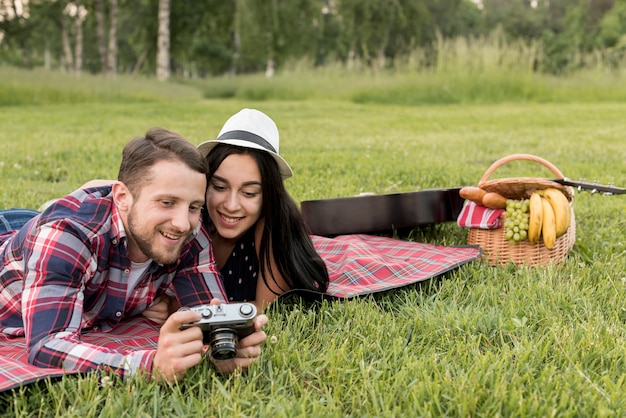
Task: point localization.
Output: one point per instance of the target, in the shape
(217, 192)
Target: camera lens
(223, 343)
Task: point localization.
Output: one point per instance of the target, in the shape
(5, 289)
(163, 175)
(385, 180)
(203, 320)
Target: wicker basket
(497, 251)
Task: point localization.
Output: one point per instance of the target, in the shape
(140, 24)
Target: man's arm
(57, 263)
(178, 350)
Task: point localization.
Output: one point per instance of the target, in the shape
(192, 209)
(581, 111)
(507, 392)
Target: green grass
(418, 88)
(40, 87)
(479, 341)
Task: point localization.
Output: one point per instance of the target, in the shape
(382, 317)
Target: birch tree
(100, 34)
(111, 67)
(163, 41)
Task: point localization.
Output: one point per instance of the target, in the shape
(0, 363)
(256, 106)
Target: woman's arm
(96, 183)
(277, 284)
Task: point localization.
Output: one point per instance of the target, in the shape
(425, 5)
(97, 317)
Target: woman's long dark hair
(295, 257)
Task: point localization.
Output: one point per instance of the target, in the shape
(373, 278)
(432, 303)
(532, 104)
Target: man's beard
(147, 248)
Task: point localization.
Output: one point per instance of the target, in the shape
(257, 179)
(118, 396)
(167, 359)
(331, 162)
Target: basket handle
(526, 157)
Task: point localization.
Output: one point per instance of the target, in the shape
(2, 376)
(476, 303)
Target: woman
(260, 243)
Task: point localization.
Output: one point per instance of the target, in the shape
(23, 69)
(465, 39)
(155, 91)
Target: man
(100, 255)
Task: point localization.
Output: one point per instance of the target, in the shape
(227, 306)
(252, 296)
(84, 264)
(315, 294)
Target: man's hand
(160, 309)
(177, 350)
(248, 349)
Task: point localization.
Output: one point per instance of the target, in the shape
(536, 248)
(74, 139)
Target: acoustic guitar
(365, 214)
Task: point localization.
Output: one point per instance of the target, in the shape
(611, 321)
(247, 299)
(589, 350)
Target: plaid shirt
(66, 272)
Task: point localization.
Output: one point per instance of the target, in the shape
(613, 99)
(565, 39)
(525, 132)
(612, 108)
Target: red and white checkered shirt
(66, 272)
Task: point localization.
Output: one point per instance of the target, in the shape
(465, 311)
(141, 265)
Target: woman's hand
(160, 309)
(248, 349)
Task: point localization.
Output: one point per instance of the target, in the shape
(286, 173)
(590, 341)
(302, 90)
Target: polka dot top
(239, 273)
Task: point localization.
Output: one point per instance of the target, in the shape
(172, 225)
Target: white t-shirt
(136, 271)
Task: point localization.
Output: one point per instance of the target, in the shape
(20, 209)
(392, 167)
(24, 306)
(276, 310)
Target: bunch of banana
(550, 216)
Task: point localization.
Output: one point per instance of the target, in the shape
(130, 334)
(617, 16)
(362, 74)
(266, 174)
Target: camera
(223, 325)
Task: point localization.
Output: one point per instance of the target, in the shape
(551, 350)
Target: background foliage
(216, 37)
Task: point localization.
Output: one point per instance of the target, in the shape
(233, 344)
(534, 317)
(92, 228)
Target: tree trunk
(67, 48)
(236, 54)
(163, 41)
(78, 48)
(352, 56)
(25, 56)
(100, 31)
(78, 44)
(381, 59)
(270, 67)
(111, 66)
(141, 60)
(236, 40)
(46, 58)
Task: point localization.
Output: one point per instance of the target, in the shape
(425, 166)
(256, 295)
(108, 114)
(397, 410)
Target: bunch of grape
(516, 223)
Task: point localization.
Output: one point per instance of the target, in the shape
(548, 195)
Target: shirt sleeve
(58, 260)
(197, 280)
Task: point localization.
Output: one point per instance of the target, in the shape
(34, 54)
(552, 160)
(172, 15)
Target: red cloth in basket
(474, 215)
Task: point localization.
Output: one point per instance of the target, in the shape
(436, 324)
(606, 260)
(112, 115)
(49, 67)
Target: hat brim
(207, 146)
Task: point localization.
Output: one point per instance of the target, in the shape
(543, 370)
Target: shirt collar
(118, 233)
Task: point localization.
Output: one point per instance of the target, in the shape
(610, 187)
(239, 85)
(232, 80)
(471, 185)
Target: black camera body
(223, 325)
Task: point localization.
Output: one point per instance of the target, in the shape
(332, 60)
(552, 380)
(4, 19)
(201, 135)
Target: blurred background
(197, 39)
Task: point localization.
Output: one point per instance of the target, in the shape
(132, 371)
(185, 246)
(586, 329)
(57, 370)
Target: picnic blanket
(364, 264)
(136, 333)
(357, 264)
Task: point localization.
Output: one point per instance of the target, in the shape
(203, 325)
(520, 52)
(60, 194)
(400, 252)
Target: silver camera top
(223, 315)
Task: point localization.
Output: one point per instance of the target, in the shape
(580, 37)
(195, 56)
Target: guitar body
(381, 213)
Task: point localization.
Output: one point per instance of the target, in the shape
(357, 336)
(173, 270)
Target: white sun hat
(250, 128)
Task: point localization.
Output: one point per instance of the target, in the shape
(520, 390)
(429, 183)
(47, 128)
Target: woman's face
(234, 196)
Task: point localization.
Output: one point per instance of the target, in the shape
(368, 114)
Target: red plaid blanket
(357, 265)
(364, 264)
(135, 334)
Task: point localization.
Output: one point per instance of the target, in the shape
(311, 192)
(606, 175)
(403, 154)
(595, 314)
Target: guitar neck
(591, 187)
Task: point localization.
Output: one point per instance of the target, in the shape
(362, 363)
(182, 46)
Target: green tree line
(201, 38)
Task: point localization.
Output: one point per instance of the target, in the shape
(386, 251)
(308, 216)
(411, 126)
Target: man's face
(164, 212)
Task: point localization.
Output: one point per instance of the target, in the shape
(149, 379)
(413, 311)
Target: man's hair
(157, 145)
